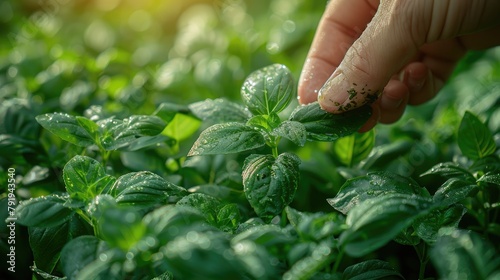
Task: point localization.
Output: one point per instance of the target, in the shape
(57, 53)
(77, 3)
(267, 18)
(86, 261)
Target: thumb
(382, 50)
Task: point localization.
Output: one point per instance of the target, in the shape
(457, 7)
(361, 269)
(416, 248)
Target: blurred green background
(128, 56)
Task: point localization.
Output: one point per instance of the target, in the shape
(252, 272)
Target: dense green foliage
(139, 151)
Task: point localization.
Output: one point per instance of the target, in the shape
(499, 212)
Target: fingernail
(416, 83)
(390, 103)
(339, 95)
(334, 92)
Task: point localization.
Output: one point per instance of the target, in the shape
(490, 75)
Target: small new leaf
(268, 90)
(86, 178)
(293, 131)
(227, 138)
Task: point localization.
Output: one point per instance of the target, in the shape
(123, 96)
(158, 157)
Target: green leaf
(167, 111)
(293, 131)
(307, 267)
(80, 252)
(352, 149)
(474, 138)
(208, 205)
(357, 190)
(323, 126)
(491, 177)
(256, 260)
(86, 178)
(427, 227)
(67, 128)
(161, 221)
(181, 127)
(315, 226)
(45, 211)
(91, 127)
(265, 235)
(227, 138)
(145, 189)
(118, 225)
(118, 134)
(268, 90)
(209, 257)
(452, 191)
(219, 110)
(376, 221)
(47, 243)
(229, 217)
(382, 155)
(450, 170)
(270, 183)
(370, 270)
(460, 254)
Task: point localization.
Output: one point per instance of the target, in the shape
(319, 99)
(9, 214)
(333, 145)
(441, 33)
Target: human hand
(392, 52)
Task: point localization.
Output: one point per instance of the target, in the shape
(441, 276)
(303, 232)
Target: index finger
(341, 24)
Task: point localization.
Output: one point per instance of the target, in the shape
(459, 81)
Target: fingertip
(372, 121)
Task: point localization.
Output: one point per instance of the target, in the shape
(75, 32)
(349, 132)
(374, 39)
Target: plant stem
(275, 151)
(423, 257)
(338, 259)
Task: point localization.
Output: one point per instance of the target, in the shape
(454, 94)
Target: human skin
(392, 52)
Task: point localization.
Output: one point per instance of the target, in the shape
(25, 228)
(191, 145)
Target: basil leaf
(268, 90)
(450, 170)
(80, 252)
(270, 183)
(227, 138)
(145, 189)
(118, 134)
(46, 211)
(47, 242)
(293, 131)
(491, 177)
(376, 221)
(452, 191)
(357, 190)
(352, 149)
(465, 255)
(370, 269)
(428, 226)
(219, 110)
(68, 128)
(323, 126)
(307, 267)
(474, 138)
(86, 178)
(208, 205)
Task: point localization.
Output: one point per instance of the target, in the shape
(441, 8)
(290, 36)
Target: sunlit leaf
(268, 90)
(474, 138)
(352, 149)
